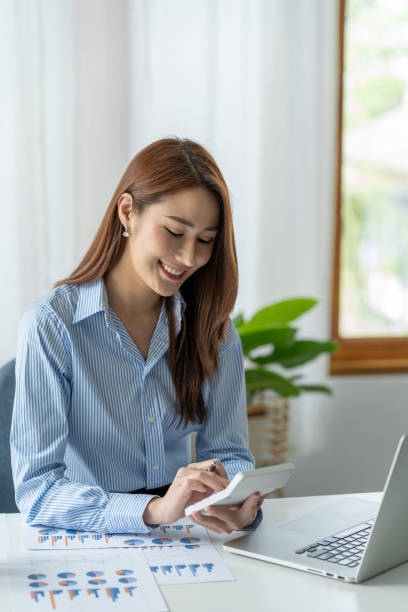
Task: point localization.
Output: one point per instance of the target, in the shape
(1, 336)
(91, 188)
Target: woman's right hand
(191, 484)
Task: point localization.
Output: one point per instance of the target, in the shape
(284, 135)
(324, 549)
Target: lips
(174, 277)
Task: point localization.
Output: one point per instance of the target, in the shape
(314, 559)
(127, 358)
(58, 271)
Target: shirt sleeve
(39, 435)
(225, 432)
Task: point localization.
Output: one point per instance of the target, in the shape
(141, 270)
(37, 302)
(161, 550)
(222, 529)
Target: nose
(186, 255)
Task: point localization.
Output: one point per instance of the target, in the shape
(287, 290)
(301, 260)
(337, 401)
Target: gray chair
(7, 388)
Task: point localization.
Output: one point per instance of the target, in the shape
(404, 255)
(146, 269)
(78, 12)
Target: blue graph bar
(36, 595)
(193, 568)
(57, 538)
(113, 592)
(129, 590)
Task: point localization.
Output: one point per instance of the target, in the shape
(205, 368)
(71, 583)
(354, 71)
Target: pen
(213, 465)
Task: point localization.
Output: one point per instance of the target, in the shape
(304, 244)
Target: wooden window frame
(382, 355)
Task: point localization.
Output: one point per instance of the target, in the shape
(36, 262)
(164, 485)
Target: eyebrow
(214, 228)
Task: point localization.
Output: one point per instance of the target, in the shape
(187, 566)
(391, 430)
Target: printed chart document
(4, 539)
(178, 534)
(177, 565)
(105, 580)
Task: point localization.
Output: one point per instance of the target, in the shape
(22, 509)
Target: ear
(125, 210)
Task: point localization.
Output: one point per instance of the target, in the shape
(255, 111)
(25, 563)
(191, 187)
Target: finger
(189, 491)
(213, 481)
(211, 522)
(205, 466)
(251, 502)
(236, 516)
(185, 472)
(194, 484)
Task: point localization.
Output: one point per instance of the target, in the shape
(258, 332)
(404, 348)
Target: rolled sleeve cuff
(233, 467)
(124, 513)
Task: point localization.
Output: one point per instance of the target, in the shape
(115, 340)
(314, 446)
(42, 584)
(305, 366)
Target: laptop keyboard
(344, 548)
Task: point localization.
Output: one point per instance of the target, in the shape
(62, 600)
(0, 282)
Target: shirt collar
(93, 298)
(180, 304)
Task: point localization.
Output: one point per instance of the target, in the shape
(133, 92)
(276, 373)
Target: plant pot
(268, 421)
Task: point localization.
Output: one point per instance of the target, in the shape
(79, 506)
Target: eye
(173, 233)
(178, 236)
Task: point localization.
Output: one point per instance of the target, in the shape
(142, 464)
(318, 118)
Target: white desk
(267, 587)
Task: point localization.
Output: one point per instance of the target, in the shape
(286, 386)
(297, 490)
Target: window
(370, 290)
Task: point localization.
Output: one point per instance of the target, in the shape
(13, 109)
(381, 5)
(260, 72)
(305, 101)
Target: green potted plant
(271, 347)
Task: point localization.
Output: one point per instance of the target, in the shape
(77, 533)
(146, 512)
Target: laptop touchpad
(332, 517)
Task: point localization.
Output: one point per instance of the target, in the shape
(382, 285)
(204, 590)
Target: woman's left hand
(225, 519)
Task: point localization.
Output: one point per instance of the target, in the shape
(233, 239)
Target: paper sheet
(178, 534)
(4, 539)
(101, 580)
(178, 565)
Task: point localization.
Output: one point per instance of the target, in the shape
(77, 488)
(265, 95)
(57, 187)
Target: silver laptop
(350, 539)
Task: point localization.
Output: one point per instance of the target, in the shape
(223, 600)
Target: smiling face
(171, 240)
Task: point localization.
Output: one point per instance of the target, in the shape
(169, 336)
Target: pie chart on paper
(161, 541)
(134, 542)
(189, 540)
(36, 576)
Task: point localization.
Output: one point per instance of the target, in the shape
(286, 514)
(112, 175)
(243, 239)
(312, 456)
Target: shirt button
(156, 467)
(151, 419)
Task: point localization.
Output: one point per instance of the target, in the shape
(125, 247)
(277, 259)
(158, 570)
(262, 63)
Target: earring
(125, 233)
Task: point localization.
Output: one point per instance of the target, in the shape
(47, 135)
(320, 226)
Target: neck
(127, 295)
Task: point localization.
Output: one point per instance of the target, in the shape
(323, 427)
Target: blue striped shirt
(93, 420)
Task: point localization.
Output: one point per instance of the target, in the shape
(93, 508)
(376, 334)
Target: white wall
(87, 84)
(358, 434)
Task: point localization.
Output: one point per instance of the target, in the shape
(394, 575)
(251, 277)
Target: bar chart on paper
(4, 539)
(187, 565)
(177, 534)
(106, 581)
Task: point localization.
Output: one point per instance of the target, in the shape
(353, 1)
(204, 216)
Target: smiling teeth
(171, 270)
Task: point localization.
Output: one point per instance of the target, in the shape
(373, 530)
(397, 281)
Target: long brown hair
(166, 166)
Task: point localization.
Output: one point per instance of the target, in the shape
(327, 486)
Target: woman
(133, 352)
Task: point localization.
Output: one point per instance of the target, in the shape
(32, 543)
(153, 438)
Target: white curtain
(86, 84)
(64, 139)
